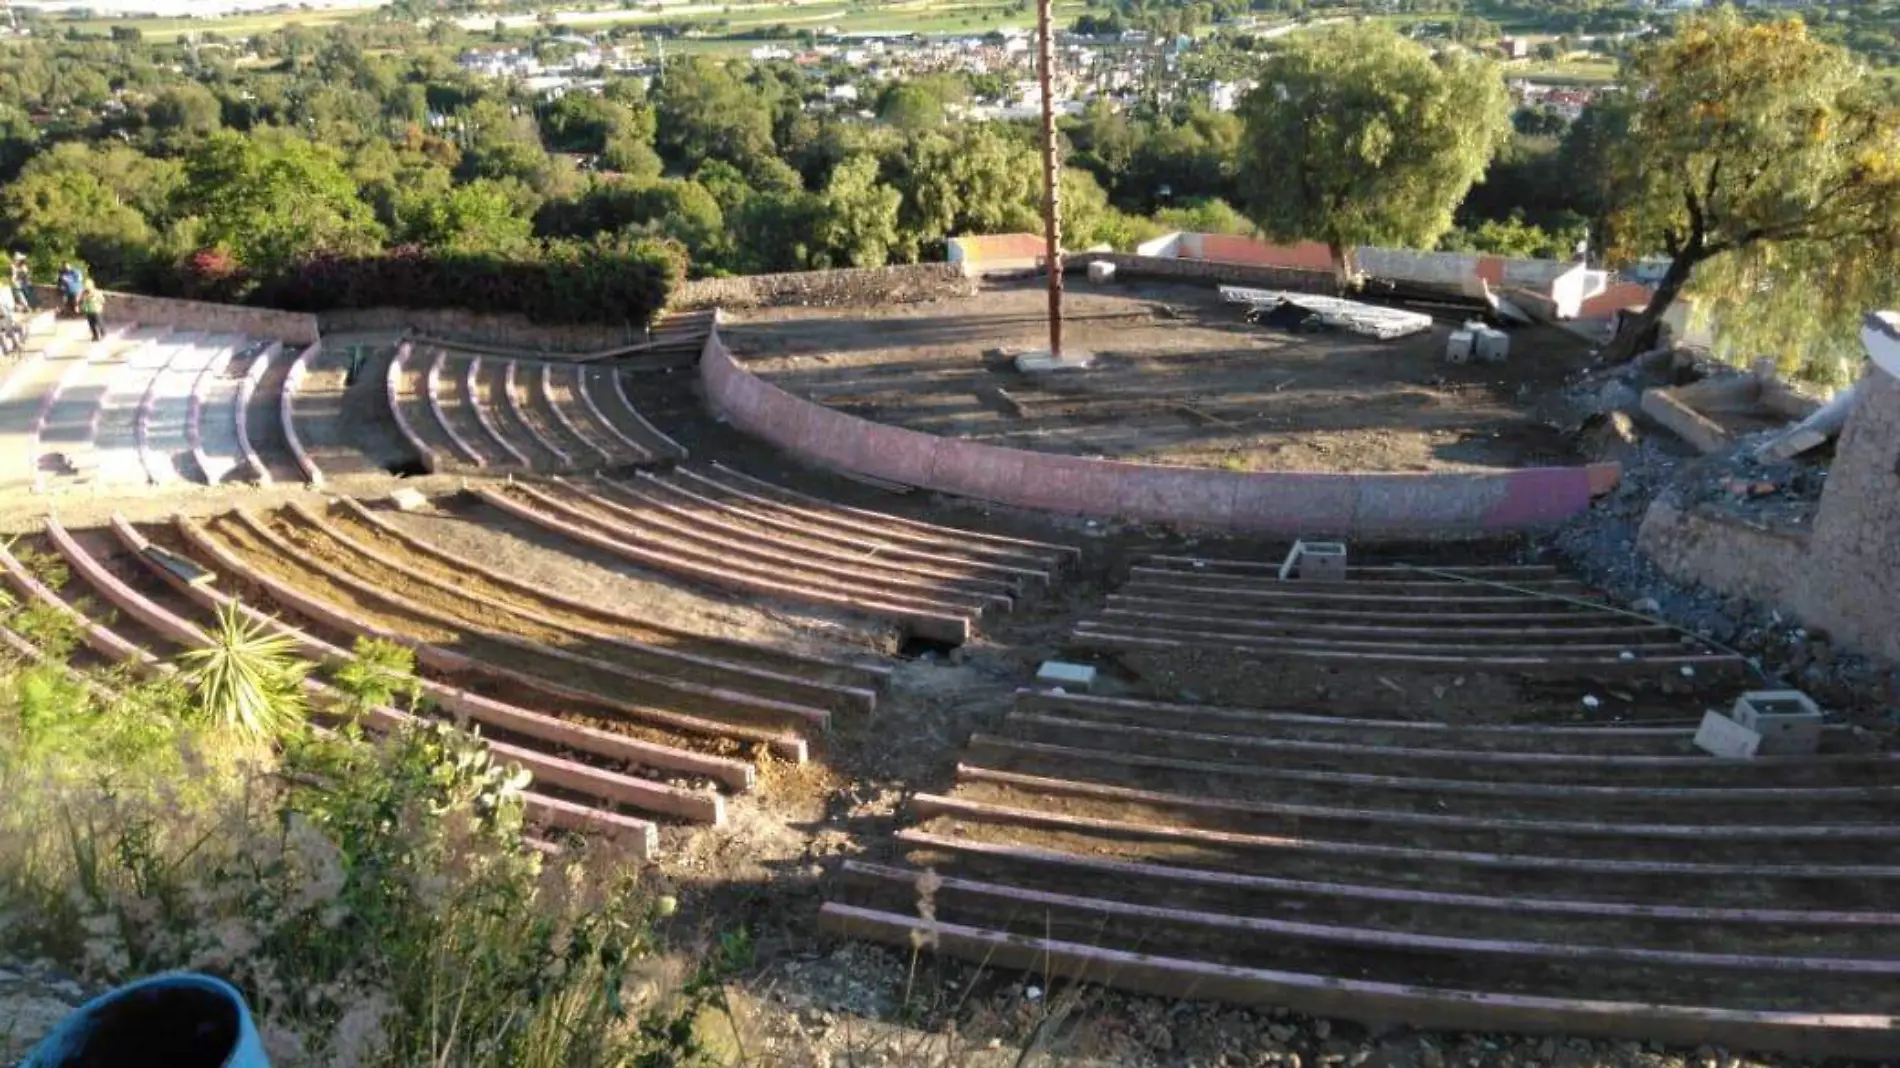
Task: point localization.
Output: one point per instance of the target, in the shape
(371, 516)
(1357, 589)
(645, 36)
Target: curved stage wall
(1341, 503)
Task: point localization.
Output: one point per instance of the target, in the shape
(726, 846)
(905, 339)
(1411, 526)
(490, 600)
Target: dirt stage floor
(1179, 378)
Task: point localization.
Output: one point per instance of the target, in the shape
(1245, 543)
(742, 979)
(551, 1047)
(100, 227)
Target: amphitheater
(788, 652)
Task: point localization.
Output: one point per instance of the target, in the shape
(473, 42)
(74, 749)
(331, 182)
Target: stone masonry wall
(506, 331)
(292, 328)
(1714, 550)
(1856, 557)
(1844, 575)
(867, 286)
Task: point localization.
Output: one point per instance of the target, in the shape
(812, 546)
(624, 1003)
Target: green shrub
(375, 901)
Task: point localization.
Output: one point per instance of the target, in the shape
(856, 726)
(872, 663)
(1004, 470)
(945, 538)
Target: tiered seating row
(145, 406)
(1367, 869)
(735, 532)
(596, 758)
(1522, 619)
(609, 710)
(487, 412)
(115, 575)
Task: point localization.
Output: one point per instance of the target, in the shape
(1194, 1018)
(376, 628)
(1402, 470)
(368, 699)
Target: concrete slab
(1041, 361)
(1072, 677)
(1685, 422)
(1723, 737)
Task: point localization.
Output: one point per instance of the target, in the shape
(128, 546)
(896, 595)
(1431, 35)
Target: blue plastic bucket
(180, 1020)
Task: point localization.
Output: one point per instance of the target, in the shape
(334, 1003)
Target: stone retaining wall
(292, 328)
(1346, 503)
(1844, 574)
(868, 286)
(504, 331)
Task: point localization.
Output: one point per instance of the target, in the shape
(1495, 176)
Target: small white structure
(1788, 722)
(1322, 561)
(1723, 737)
(1476, 341)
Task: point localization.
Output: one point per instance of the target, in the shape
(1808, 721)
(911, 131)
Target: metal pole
(1051, 176)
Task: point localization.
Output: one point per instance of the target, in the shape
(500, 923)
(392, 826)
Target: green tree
(973, 179)
(919, 104)
(1207, 216)
(498, 143)
(772, 231)
(19, 139)
(71, 214)
(482, 216)
(273, 199)
(1357, 136)
(581, 122)
(182, 114)
(705, 113)
(1746, 136)
(857, 223)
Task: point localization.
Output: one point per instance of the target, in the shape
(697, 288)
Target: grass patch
(167, 30)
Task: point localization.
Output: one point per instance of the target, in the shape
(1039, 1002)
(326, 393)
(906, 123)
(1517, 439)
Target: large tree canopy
(270, 200)
(1746, 135)
(1356, 136)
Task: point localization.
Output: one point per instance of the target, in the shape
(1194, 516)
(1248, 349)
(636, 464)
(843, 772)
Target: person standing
(22, 282)
(93, 304)
(71, 283)
(12, 335)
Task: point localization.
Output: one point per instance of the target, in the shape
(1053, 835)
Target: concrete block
(1459, 345)
(1315, 561)
(1073, 678)
(408, 500)
(1788, 721)
(1723, 737)
(1685, 422)
(1491, 346)
(1042, 361)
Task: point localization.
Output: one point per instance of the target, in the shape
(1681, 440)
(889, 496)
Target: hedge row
(608, 280)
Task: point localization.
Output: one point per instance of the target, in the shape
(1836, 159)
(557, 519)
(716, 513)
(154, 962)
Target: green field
(1568, 72)
(235, 26)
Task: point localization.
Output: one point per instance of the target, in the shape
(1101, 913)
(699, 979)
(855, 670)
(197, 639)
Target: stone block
(1042, 361)
(1315, 561)
(408, 500)
(1072, 677)
(1685, 422)
(1788, 721)
(1723, 737)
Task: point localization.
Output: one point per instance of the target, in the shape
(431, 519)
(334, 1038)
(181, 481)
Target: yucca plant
(248, 679)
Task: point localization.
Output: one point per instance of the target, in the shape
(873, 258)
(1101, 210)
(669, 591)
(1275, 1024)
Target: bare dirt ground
(1179, 377)
(1288, 402)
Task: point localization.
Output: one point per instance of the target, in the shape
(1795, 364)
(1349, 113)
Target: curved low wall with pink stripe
(1341, 503)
